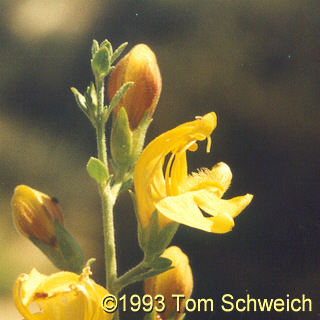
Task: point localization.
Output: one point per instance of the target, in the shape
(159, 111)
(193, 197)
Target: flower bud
(175, 281)
(34, 214)
(139, 66)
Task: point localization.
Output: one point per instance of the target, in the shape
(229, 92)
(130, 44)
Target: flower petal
(184, 210)
(209, 202)
(222, 223)
(29, 287)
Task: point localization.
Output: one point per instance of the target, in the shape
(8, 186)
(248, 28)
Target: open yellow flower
(178, 196)
(62, 295)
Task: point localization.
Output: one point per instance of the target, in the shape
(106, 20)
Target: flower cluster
(166, 195)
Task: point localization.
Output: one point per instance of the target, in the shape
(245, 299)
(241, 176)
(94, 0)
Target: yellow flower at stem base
(176, 281)
(178, 196)
(62, 295)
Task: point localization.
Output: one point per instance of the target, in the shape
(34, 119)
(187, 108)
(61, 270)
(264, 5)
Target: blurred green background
(255, 63)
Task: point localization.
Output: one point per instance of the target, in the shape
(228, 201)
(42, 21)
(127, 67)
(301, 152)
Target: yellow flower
(34, 213)
(140, 66)
(176, 281)
(178, 196)
(62, 295)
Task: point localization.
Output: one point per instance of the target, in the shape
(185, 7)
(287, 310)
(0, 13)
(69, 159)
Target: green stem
(107, 198)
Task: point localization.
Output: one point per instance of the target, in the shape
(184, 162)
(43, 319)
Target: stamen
(208, 144)
(154, 191)
(167, 176)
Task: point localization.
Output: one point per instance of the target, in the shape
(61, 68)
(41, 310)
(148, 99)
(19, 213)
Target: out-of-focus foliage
(255, 63)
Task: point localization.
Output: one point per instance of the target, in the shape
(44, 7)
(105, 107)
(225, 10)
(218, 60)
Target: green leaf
(154, 241)
(80, 99)
(126, 185)
(101, 63)
(166, 235)
(106, 43)
(67, 256)
(134, 201)
(118, 52)
(94, 48)
(119, 94)
(70, 249)
(54, 255)
(91, 95)
(150, 274)
(97, 170)
(139, 135)
(150, 235)
(121, 141)
(160, 263)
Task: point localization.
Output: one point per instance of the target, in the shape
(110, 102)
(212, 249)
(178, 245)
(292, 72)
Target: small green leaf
(67, 255)
(118, 52)
(106, 43)
(150, 234)
(70, 249)
(121, 141)
(134, 201)
(119, 94)
(160, 263)
(126, 185)
(101, 63)
(150, 274)
(166, 235)
(54, 255)
(94, 48)
(91, 100)
(91, 91)
(154, 241)
(80, 99)
(97, 170)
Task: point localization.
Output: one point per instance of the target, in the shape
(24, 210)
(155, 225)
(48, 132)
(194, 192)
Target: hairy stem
(107, 198)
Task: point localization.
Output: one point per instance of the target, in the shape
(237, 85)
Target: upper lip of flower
(177, 195)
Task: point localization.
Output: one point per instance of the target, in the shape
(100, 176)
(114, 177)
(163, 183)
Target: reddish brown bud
(139, 66)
